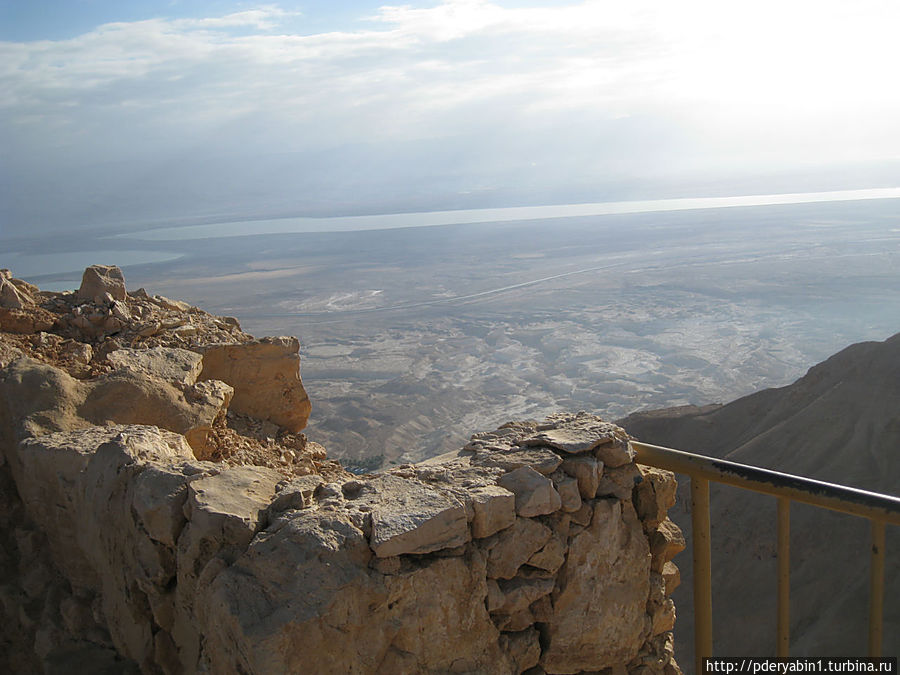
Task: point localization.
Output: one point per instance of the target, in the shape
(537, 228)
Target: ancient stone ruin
(162, 513)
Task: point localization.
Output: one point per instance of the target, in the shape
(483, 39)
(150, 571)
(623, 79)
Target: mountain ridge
(838, 423)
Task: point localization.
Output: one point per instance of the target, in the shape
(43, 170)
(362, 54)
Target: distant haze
(144, 112)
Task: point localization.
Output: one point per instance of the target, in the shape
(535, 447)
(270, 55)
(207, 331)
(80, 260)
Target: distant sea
(494, 215)
(58, 269)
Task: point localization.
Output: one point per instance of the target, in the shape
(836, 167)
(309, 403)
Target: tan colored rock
(224, 512)
(587, 471)
(296, 493)
(516, 622)
(495, 597)
(655, 495)
(12, 297)
(25, 321)
(615, 453)
(519, 593)
(511, 548)
(494, 510)
(583, 515)
(171, 305)
(663, 618)
(265, 375)
(542, 460)
(574, 433)
(158, 500)
(8, 354)
(535, 494)
(175, 366)
(666, 541)
(280, 610)
(672, 577)
(126, 397)
(98, 280)
(40, 399)
(619, 482)
(552, 556)
(226, 509)
(599, 608)
(569, 493)
(79, 352)
(46, 399)
(408, 517)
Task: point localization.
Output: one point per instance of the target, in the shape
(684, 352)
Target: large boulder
(265, 374)
(100, 280)
(46, 399)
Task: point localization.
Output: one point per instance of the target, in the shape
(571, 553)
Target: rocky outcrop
(538, 547)
(265, 375)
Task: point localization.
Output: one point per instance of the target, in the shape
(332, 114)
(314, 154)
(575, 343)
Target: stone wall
(539, 547)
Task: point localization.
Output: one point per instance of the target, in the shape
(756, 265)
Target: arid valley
(414, 338)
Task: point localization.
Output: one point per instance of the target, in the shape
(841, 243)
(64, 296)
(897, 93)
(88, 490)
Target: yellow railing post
(702, 571)
(784, 577)
(876, 588)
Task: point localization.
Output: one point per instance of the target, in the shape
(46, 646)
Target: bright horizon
(146, 111)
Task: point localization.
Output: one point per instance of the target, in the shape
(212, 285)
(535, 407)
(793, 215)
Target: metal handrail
(878, 508)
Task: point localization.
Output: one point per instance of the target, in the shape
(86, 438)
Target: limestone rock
(494, 510)
(567, 487)
(542, 460)
(672, 577)
(655, 495)
(615, 453)
(666, 541)
(574, 434)
(599, 608)
(176, 366)
(171, 305)
(587, 471)
(519, 593)
(25, 321)
(619, 482)
(125, 397)
(12, 297)
(46, 399)
(511, 548)
(184, 565)
(663, 618)
(552, 556)
(408, 517)
(223, 511)
(39, 398)
(290, 602)
(535, 494)
(296, 493)
(158, 501)
(265, 375)
(99, 280)
(8, 353)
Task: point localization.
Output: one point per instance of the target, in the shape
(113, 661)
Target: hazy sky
(142, 110)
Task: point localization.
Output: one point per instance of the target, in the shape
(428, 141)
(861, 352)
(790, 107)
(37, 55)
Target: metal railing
(879, 509)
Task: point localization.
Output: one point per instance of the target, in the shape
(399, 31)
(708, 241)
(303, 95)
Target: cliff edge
(162, 513)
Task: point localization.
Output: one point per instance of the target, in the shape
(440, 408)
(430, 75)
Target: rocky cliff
(162, 513)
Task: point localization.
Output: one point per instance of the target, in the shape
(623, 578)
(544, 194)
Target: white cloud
(740, 83)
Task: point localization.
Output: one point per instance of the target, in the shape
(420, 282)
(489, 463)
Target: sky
(142, 112)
